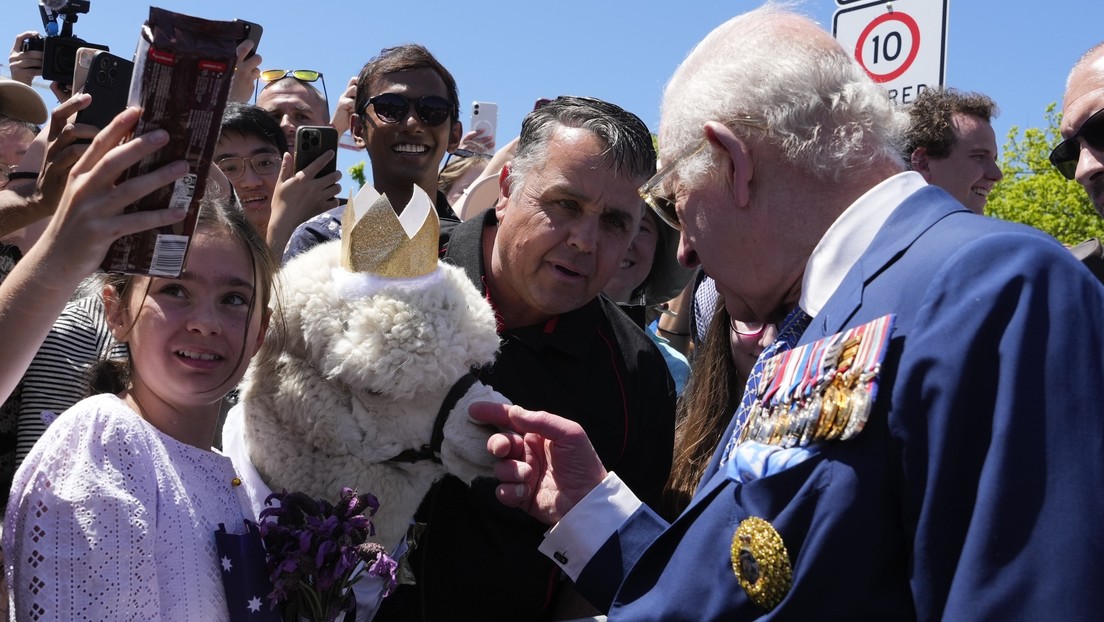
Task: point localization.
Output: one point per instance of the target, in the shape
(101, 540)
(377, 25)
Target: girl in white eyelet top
(112, 515)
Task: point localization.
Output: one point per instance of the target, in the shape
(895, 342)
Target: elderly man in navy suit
(931, 448)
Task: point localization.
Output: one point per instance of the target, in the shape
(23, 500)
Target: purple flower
(384, 566)
(315, 551)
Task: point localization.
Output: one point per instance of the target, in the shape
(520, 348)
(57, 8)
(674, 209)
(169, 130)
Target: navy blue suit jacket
(975, 490)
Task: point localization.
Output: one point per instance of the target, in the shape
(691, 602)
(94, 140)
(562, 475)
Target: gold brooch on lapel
(761, 562)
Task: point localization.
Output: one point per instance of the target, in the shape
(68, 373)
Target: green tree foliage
(356, 171)
(1033, 192)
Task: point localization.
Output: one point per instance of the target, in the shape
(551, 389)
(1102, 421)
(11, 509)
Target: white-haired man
(952, 463)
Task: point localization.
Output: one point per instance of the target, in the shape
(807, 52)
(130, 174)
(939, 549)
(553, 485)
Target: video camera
(59, 47)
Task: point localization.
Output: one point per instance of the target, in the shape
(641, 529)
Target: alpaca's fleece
(354, 371)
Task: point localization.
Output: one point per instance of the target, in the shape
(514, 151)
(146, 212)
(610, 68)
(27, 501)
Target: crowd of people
(780, 366)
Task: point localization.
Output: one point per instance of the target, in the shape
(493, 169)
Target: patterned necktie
(792, 328)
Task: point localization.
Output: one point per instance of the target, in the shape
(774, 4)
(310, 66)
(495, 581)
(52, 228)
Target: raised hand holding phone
(484, 119)
(248, 69)
(306, 187)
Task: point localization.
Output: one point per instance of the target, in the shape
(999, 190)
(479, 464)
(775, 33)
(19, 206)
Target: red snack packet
(182, 73)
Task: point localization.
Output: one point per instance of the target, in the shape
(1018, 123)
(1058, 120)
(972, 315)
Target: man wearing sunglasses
(289, 95)
(406, 118)
(951, 143)
(966, 486)
(1080, 155)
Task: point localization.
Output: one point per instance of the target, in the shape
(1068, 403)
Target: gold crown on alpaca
(376, 240)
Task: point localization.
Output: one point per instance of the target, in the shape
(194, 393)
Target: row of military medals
(822, 391)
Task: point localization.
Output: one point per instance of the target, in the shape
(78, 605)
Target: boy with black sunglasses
(406, 118)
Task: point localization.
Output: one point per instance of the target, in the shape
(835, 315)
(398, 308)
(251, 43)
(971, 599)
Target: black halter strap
(432, 451)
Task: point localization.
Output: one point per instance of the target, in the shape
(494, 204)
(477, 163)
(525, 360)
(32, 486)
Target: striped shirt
(57, 378)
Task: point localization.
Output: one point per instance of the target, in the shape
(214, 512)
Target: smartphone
(108, 83)
(253, 33)
(80, 68)
(484, 116)
(311, 141)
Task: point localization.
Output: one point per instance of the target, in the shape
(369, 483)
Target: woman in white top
(113, 513)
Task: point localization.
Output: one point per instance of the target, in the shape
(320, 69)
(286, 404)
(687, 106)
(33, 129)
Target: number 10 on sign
(900, 44)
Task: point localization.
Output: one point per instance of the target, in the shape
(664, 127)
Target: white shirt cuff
(573, 541)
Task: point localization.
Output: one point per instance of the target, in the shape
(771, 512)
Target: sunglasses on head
(393, 108)
(1064, 157)
(464, 153)
(306, 75)
(268, 76)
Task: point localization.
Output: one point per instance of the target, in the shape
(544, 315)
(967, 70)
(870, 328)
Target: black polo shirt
(478, 559)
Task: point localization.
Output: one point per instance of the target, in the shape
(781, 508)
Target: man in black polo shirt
(567, 212)
(406, 117)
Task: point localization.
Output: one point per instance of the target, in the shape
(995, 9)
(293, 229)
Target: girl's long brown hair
(712, 394)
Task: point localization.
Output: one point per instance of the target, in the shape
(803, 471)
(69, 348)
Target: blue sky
(1015, 51)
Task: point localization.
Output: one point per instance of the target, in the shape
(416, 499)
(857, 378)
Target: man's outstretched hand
(546, 463)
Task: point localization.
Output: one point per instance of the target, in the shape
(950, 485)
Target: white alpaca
(354, 372)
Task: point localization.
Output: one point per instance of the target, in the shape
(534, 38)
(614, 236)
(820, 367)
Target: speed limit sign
(901, 44)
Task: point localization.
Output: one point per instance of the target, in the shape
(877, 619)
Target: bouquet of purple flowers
(317, 551)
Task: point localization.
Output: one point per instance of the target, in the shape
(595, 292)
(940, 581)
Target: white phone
(81, 66)
(484, 115)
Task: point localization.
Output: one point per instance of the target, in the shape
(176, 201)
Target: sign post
(901, 44)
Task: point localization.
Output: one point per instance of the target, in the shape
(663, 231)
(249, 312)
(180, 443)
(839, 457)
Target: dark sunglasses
(1064, 157)
(393, 108)
(268, 76)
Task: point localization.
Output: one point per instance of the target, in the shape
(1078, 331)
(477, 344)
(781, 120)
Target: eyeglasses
(1065, 156)
(393, 108)
(746, 329)
(303, 75)
(664, 206)
(263, 164)
(5, 171)
(464, 153)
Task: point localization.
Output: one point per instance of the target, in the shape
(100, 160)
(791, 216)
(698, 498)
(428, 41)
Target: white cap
(19, 101)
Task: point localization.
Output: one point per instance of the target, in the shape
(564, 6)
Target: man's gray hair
(820, 109)
(629, 149)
